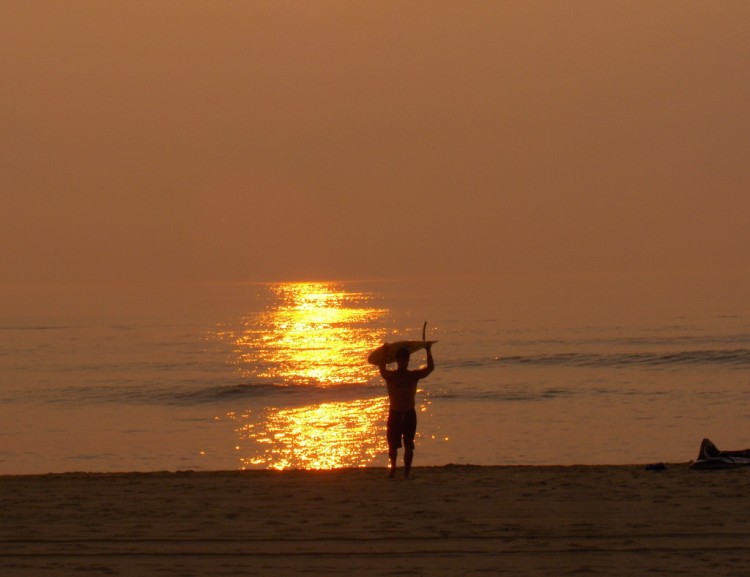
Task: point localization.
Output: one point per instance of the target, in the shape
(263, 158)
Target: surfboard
(389, 350)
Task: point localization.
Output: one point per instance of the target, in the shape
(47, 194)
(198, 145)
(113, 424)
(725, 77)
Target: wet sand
(453, 520)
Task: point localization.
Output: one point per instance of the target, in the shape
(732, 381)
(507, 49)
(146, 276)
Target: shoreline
(449, 520)
(290, 471)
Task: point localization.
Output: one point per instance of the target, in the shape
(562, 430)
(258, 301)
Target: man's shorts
(401, 425)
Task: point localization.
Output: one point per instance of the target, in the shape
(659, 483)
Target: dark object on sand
(656, 467)
(710, 457)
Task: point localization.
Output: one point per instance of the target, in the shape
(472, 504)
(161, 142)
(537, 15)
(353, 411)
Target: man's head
(402, 357)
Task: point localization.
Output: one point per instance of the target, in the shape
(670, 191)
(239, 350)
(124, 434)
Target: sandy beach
(453, 520)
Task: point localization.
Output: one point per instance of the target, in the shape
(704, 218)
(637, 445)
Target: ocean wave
(39, 327)
(220, 393)
(649, 340)
(503, 395)
(195, 394)
(288, 393)
(727, 358)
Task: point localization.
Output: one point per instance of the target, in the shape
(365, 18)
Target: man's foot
(392, 474)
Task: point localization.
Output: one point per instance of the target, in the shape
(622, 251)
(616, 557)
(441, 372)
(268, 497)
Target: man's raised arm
(382, 364)
(430, 363)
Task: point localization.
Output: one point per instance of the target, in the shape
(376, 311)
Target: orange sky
(338, 139)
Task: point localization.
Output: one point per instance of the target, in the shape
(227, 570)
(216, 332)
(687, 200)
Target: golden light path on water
(313, 334)
(322, 436)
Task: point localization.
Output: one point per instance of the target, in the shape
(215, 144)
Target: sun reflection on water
(322, 436)
(314, 334)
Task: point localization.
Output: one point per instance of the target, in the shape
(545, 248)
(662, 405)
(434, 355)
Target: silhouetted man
(402, 416)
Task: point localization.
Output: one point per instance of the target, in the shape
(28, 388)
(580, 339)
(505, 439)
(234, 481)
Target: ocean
(274, 375)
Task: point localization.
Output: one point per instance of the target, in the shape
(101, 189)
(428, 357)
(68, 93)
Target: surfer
(402, 415)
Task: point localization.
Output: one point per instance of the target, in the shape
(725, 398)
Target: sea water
(253, 375)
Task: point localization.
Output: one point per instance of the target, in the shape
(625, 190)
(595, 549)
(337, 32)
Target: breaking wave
(727, 358)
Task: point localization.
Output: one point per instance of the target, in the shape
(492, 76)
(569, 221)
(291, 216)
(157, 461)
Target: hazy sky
(270, 140)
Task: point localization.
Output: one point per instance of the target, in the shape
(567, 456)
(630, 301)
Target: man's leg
(408, 457)
(393, 434)
(393, 455)
(410, 431)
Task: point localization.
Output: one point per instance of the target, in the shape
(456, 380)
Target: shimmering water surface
(275, 376)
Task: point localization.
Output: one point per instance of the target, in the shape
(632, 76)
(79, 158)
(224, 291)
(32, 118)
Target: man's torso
(402, 388)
